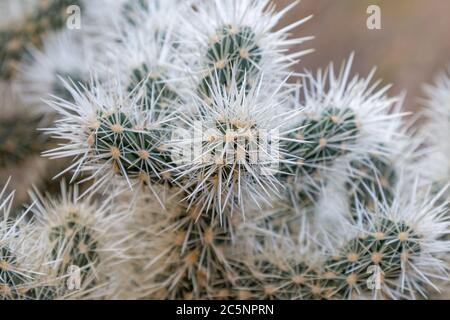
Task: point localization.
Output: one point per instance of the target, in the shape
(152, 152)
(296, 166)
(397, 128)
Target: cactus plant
(213, 171)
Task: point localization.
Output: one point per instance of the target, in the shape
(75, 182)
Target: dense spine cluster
(232, 56)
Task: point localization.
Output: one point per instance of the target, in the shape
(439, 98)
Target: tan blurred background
(412, 46)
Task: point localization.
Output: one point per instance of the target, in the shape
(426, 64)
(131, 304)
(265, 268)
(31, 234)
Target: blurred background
(410, 49)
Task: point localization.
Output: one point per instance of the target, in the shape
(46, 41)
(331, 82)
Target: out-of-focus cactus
(50, 15)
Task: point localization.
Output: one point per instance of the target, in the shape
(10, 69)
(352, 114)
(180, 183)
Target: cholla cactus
(182, 251)
(146, 52)
(210, 170)
(343, 118)
(232, 147)
(113, 135)
(18, 268)
(436, 129)
(64, 55)
(397, 238)
(77, 241)
(236, 43)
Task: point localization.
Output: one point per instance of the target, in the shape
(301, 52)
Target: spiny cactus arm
(374, 177)
(434, 165)
(78, 245)
(66, 55)
(395, 238)
(390, 253)
(344, 120)
(242, 36)
(375, 174)
(326, 137)
(273, 266)
(110, 138)
(147, 54)
(182, 251)
(18, 267)
(394, 250)
(232, 147)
